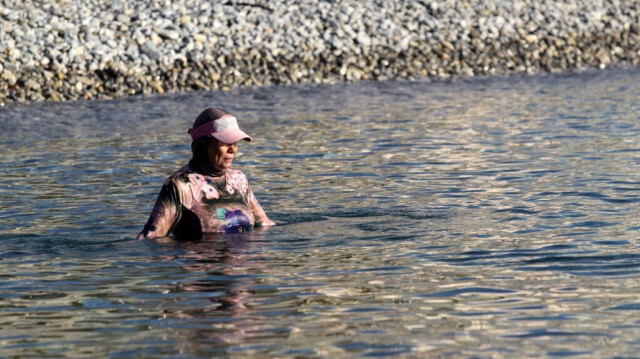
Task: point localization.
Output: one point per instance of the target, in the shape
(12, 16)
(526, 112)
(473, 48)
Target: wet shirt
(190, 203)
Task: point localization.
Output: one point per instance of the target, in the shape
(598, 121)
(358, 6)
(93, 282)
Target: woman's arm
(165, 213)
(259, 215)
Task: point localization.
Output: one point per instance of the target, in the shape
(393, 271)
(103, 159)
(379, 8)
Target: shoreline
(107, 49)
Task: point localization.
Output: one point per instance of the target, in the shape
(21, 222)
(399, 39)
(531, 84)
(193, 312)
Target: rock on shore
(73, 49)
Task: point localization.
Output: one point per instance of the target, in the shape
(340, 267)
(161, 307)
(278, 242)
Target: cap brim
(231, 136)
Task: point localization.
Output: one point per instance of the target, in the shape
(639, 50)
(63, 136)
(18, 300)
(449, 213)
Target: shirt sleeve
(165, 213)
(259, 215)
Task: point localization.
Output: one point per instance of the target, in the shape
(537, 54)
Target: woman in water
(207, 195)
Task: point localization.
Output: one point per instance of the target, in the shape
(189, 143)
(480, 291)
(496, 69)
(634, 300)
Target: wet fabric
(191, 204)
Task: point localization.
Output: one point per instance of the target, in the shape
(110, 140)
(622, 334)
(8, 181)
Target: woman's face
(222, 154)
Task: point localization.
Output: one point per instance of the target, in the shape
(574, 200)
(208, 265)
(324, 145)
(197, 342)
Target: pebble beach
(102, 49)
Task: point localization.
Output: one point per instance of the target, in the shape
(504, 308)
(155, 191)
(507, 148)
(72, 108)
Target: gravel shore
(83, 49)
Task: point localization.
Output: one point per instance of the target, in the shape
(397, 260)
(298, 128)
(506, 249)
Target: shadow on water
(284, 219)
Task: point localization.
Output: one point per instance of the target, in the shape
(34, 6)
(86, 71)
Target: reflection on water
(489, 218)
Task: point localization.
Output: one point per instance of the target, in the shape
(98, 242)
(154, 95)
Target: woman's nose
(233, 148)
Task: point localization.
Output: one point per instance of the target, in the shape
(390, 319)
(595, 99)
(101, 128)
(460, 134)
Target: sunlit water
(483, 218)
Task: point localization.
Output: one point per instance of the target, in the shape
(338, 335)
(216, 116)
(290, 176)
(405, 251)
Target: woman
(207, 195)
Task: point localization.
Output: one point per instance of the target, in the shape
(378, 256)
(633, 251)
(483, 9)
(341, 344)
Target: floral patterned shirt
(190, 204)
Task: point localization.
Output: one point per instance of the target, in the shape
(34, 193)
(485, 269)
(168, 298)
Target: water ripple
(465, 218)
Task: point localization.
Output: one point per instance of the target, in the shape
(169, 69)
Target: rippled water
(483, 218)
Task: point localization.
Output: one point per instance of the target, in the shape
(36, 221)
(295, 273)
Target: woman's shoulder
(186, 175)
(181, 175)
(236, 179)
(182, 172)
(234, 173)
(185, 180)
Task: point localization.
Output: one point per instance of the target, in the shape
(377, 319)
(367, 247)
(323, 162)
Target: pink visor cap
(224, 129)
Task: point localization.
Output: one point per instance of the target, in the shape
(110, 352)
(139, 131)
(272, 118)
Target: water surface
(481, 218)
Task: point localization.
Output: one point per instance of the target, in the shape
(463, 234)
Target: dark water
(485, 218)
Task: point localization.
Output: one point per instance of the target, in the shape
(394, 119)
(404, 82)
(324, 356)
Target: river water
(487, 218)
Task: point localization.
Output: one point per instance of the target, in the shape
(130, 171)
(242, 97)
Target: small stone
(32, 84)
(169, 34)
(9, 77)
